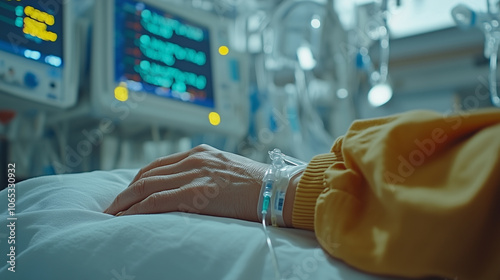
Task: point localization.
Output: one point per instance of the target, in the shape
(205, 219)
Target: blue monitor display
(32, 29)
(162, 54)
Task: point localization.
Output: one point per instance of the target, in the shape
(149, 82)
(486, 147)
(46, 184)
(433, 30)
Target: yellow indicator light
(121, 93)
(214, 118)
(223, 50)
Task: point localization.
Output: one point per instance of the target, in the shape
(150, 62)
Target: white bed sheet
(61, 233)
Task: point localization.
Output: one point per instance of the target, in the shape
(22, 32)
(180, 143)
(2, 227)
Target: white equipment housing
(39, 52)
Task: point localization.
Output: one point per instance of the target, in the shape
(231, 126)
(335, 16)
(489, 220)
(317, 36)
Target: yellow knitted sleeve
(411, 195)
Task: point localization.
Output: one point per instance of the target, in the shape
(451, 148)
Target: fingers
(160, 202)
(165, 173)
(171, 159)
(160, 162)
(146, 187)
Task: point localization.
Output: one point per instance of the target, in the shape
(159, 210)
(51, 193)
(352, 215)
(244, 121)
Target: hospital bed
(58, 224)
(61, 233)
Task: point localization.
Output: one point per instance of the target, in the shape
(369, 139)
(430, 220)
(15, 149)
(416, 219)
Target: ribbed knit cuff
(310, 186)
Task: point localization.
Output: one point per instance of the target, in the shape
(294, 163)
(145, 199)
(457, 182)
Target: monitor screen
(163, 54)
(32, 29)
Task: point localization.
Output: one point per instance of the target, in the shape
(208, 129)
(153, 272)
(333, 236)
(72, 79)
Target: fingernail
(119, 213)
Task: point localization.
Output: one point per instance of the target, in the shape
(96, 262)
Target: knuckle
(140, 174)
(202, 148)
(152, 202)
(205, 171)
(139, 188)
(195, 160)
(141, 171)
(145, 168)
(157, 162)
(147, 174)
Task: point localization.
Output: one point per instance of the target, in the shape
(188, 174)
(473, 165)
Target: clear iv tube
(384, 46)
(493, 40)
(269, 180)
(495, 99)
(384, 58)
(274, 259)
(293, 161)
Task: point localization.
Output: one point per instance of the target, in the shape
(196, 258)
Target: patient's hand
(203, 180)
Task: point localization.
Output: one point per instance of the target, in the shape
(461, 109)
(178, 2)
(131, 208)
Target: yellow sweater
(411, 195)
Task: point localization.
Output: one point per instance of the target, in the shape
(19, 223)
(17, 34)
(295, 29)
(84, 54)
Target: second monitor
(155, 63)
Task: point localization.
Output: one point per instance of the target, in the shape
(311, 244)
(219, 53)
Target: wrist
(282, 174)
(290, 199)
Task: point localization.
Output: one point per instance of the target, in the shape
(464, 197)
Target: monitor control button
(30, 80)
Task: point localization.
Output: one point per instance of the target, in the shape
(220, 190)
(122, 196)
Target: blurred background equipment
(155, 63)
(489, 23)
(41, 51)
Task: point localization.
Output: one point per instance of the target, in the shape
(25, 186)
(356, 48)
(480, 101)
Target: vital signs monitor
(38, 53)
(157, 63)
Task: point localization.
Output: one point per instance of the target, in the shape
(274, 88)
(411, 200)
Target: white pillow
(61, 233)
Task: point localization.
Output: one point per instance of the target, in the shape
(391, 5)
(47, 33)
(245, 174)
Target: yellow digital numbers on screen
(39, 15)
(36, 22)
